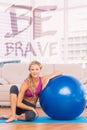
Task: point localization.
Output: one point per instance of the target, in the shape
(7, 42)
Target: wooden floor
(9, 126)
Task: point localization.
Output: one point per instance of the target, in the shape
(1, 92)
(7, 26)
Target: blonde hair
(30, 81)
(35, 63)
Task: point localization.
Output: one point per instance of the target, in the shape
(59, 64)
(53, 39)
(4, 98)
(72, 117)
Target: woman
(23, 102)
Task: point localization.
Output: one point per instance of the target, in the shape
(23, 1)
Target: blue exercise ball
(63, 98)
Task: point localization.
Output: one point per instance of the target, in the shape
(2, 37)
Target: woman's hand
(37, 114)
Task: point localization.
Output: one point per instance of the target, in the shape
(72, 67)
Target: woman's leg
(28, 116)
(21, 114)
(4, 116)
(13, 102)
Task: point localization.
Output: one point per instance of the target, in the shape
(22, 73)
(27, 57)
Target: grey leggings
(29, 114)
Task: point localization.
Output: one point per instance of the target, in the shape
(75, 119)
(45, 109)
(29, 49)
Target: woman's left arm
(57, 73)
(46, 78)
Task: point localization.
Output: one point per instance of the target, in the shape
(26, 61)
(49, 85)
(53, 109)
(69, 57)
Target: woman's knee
(30, 115)
(14, 90)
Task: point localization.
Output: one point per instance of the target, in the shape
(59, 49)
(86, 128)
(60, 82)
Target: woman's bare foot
(10, 119)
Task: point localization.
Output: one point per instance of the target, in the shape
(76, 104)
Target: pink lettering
(42, 49)
(35, 19)
(29, 48)
(53, 49)
(14, 19)
(18, 50)
(9, 48)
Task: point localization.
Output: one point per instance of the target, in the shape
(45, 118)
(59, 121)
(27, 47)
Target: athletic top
(28, 93)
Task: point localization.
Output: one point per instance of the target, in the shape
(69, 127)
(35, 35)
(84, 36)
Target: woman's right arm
(21, 96)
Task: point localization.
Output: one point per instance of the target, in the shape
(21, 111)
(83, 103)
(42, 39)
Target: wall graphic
(29, 31)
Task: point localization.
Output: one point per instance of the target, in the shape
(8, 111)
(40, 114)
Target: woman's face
(35, 70)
